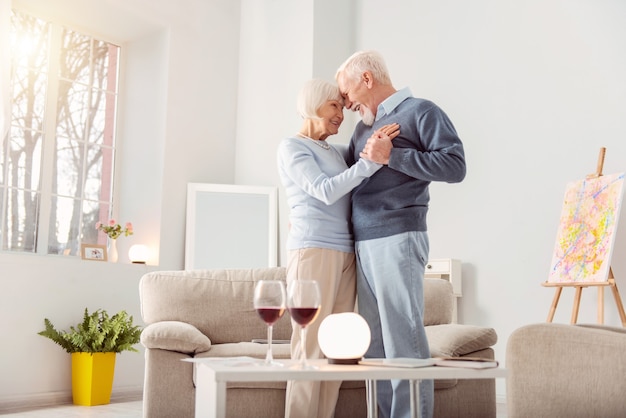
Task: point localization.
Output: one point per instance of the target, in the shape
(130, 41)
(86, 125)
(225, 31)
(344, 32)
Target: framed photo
(94, 252)
(226, 221)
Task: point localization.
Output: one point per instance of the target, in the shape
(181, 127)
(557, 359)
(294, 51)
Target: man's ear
(367, 78)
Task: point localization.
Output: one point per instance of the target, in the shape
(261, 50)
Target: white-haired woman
(320, 244)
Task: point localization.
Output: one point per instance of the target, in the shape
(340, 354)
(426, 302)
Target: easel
(580, 285)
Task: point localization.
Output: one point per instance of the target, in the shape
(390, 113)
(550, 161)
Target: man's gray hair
(363, 61)
(314, 94)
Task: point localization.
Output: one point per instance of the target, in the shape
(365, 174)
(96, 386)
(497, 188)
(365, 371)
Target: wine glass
(269, 302)
(303, 303)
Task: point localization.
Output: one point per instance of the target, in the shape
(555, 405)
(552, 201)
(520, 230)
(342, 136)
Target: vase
(112, 256)
(92, 378)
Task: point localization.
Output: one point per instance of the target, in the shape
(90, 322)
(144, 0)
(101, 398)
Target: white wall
(283, 44)
(34, 369)
(534, 88)
(177, 126)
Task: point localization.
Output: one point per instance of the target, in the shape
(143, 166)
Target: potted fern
(93, 344)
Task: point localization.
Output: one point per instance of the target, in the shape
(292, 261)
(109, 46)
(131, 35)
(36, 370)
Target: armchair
(558, 370)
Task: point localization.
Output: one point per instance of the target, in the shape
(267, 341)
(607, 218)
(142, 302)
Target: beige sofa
(560, 370)
(209, 313)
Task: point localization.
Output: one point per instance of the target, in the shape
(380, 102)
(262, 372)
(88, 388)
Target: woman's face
(331, 113)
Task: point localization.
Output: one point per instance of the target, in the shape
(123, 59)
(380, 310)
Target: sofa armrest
(175, 336)
(453, 340)
(560, 370)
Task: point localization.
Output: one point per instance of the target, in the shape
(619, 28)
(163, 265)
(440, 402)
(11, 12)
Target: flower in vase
(114, 230)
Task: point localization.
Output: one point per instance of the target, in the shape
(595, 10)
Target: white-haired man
(389, 214)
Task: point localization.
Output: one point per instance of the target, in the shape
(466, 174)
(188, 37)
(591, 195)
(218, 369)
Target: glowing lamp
(344, 338)
(138, 254)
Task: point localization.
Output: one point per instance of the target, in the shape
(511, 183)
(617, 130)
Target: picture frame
(226, 221)
(93, 252)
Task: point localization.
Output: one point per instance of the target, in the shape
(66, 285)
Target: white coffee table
(212, 375)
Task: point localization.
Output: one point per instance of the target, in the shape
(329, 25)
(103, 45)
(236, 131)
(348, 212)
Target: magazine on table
(398, 362)
(468, 362)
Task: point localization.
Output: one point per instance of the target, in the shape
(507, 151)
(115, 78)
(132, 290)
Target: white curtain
(5, 68)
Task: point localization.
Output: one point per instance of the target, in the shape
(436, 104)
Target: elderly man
(389, 214)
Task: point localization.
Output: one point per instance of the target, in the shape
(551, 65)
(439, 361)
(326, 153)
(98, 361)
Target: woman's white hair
(314, 94)
(363, 61)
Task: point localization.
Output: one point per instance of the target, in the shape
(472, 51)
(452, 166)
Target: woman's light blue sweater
(318, 184)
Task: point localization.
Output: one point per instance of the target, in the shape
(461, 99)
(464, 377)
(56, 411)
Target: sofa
(209, 313)
(561, 370)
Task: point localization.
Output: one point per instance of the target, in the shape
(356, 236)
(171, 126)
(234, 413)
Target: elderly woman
(320, 245)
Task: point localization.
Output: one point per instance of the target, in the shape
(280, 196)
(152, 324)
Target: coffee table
(213, 374)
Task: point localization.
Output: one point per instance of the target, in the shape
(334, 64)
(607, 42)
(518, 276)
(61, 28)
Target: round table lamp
(138, 254)
(344, 338)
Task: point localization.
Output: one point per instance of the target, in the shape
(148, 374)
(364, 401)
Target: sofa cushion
(438, 302)
(217, 302)
(175, 336)
(458, 339)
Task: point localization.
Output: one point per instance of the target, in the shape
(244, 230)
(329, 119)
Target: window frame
(49, 143)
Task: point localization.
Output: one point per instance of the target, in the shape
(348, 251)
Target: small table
(213, 374)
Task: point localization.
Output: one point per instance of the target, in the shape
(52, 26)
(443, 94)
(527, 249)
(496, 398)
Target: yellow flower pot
(92, 378)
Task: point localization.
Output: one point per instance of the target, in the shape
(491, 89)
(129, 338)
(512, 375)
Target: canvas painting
(587, 228)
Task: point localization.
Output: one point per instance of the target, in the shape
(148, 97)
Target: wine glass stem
(269, 358)
(303, 345)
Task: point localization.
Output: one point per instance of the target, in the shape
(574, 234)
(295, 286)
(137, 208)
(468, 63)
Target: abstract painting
(587, 228)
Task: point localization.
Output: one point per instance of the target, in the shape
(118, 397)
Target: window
(56, 161)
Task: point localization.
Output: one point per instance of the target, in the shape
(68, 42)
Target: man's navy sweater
(395, 199)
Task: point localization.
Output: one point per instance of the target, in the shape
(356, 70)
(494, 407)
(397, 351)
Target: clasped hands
(378, 146)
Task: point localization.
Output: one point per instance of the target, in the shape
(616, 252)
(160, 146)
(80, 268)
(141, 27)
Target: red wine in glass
(304, 316)
(269, 315)
(303, 301)
(270, 304)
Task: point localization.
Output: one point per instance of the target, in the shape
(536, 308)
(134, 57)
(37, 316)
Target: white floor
(112, 410)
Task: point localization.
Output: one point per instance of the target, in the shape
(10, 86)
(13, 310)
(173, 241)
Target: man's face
(356, 94)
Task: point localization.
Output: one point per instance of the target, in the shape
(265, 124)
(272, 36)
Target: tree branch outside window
(57, 160)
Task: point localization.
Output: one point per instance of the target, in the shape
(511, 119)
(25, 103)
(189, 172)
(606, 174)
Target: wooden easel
(580, 285)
